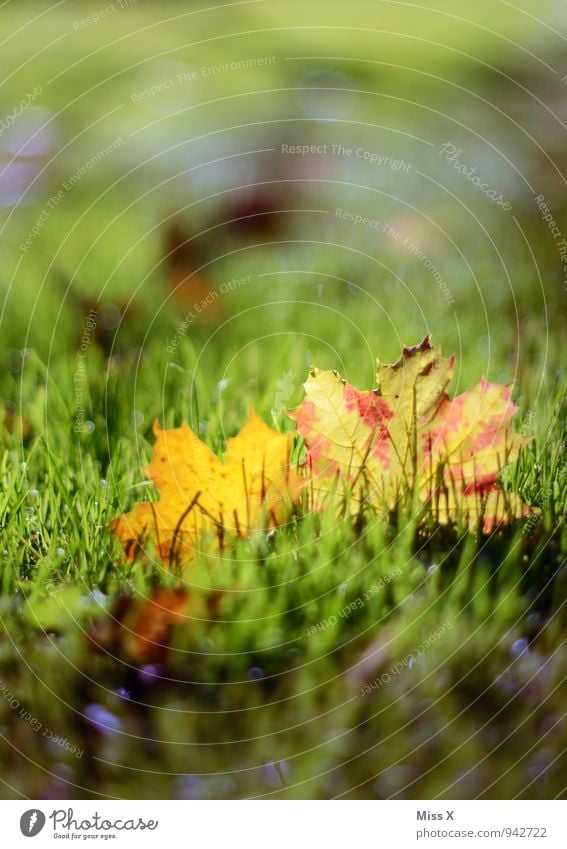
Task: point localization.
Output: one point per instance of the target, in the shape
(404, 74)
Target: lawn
(171, 252)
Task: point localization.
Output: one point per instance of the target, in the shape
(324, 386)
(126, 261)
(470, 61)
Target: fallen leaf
(205, 501)
(15, 425)
(140, 627)
(408, 435)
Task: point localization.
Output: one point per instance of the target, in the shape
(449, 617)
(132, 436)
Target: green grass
(260, 692)
(467, 704)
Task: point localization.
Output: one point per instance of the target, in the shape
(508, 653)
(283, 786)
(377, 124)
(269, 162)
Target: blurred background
(197, 202)
(145, 160)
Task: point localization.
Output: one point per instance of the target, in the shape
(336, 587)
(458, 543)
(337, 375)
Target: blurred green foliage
(261, 691)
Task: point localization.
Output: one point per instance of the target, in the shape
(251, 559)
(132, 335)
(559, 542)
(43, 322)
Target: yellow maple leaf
(203, 500)
(408, 434)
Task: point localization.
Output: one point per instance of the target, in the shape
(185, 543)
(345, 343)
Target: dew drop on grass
(103, 483)
(138, 418)
(60, 552)
(88, 427)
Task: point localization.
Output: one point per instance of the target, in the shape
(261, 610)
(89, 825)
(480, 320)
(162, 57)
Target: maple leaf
(408, 434)
(203, 499)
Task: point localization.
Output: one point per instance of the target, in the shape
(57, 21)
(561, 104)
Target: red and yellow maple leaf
(409, 434)
(204, 500)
